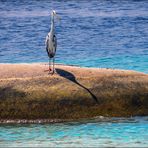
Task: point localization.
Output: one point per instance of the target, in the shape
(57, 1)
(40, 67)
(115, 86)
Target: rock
(28, 92)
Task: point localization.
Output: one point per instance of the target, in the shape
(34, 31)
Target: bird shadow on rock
(71, 77)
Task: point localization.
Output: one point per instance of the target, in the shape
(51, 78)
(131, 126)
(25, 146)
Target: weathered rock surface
(27, 91)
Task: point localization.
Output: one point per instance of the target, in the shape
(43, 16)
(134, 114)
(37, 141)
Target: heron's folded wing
(55, 42)
(46, 40)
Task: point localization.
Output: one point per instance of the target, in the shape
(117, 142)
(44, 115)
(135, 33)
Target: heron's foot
(53, 72)
(49, 70)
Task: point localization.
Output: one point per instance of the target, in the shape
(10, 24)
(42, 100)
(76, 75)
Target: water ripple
(100, 131)
(92, 34)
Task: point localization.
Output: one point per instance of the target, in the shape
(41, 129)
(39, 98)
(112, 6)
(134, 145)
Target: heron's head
(54, 14)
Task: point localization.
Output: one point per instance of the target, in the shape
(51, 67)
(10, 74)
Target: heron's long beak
(58, 17)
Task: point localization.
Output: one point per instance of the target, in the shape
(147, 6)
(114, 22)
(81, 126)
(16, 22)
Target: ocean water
(101, 132)
(97, 33)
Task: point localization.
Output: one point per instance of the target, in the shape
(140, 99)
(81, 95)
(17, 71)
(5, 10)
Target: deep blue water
(97, 33)
(115, 132)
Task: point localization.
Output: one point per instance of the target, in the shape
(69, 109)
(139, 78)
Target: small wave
(24, 13)
(100, 13)
(76, 13)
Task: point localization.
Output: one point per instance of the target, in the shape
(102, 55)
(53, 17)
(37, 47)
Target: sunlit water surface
(128, 132)
(97, 33)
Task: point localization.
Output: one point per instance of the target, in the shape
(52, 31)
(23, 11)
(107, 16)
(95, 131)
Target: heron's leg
(53, 66)
(54, 71)
(49, 64)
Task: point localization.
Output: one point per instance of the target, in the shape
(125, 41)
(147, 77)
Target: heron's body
(51, 42)
(51, 45)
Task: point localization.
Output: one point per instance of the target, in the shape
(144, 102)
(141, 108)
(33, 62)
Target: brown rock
(28, 92)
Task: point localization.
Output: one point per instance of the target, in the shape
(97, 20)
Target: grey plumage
(51, 49)
(51, 42)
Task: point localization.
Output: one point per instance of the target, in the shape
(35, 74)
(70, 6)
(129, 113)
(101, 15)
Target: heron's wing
(46, 40)
(55, 42)
(47, 44)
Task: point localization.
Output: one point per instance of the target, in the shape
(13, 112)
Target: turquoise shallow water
(95, 33)
(101, 132)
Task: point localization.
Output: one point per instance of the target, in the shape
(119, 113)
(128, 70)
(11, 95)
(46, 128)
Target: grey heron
(51, 42)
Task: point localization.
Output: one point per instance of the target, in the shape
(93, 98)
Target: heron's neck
(52, 25)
